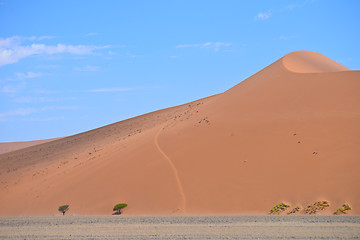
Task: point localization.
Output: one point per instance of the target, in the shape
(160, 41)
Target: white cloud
(87, 68)
(263, 15)
(209, 45)
(12, 49)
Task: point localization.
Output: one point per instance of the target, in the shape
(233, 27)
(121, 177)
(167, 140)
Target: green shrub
(342, 210)
(346, 206)
(279, 208)
(118, 207)
(316, 206)
(63, 209)
(296, 209)
(339, 211)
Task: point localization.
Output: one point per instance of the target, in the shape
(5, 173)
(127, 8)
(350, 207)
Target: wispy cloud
(12, 49)
(209, 45)
(47, 66)
(284, 37)
(87, 68)
(290, 6)
(17, 112)
(29, 99)
(12, 88)
(293, 6)
(33, 119)
(28, 111)
(45, 91)
(105, 90)
(23, 76)
(91, 34)
(111, 89)
(263, 15)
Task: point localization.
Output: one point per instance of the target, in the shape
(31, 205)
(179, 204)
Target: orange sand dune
(12, 146)
(288, 133)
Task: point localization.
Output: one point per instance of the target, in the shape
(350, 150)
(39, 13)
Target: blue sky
(71, 66)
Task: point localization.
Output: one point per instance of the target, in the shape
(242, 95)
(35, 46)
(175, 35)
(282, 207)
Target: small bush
(316, 206)
(118, 207)
(346, 206)
(296, 209)
(342, 210)
(279, 208)
(63, 209)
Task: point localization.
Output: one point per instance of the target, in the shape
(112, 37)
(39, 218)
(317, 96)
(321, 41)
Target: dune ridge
(288, 133)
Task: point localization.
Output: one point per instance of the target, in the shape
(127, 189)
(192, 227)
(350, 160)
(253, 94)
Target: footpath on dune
(175, 171)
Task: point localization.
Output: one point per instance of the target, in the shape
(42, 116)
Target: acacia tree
(118, 208)
(63, 209)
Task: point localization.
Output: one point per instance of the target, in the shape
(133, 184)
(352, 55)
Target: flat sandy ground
(180, 227)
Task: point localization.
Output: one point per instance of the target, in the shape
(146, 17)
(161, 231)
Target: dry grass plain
(181, 227)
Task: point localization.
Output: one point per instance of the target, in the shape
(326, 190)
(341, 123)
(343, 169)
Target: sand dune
(12, 146)
(311, 62)
(288, 133)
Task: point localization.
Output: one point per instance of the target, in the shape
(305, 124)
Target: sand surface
(180, 227)
(288, 133)
(13, 146)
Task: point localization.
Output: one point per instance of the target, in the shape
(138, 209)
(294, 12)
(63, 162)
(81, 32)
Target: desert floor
(181, 227)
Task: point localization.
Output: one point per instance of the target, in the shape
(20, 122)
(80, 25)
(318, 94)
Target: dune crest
(311, 62)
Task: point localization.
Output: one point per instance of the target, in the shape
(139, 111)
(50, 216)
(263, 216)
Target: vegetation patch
(294, 210)
(342, 210)
(279, 208)
(118, 207)
(63, 209)
(316, 206)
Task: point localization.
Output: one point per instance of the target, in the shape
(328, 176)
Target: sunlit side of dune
(288, 133)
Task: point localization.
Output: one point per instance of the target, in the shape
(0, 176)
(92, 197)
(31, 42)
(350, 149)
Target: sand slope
(289, 133)
(12, 146)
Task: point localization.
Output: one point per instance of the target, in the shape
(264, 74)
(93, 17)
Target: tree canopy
(118, 207)
(63, 209)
